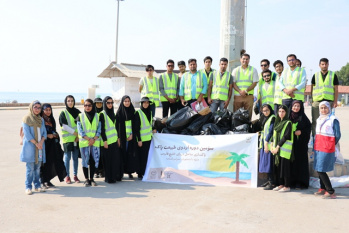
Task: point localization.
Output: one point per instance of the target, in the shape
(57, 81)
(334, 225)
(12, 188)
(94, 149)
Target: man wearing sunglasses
(169, 85)
(292, 82)
(149, 87)
(266, 90)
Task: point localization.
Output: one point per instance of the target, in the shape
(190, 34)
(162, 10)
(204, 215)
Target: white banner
(229, 160)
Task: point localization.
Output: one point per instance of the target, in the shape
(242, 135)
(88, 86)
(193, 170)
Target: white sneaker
(28, 192)
(41, 190)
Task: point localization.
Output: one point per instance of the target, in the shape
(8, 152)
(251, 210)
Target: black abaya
(112, 163)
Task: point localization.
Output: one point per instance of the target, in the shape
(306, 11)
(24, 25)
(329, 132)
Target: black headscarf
(264, 118)
(110, 112)
(91, 114)
(146, 111)
(97, 100)
(297, 116)
(125, 113)
(49, 120)
(73, 111)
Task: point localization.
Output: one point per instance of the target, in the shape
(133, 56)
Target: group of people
(113, 144)
(119, 141)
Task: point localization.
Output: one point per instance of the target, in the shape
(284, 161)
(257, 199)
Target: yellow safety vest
(286, 148)
(323, 90)
(128, 127)
(145, 130)
(265, 129)
(187, 85)
(170, 86)
(278, 92)
(203, 71)
(90, 130)
(267, 95)
(151, 90)
(220, 86)
(66, 136)
(244, 79)
(110, 130)
(290, 81)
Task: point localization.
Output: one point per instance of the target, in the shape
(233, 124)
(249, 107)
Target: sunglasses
(267, 75)
(88, 105)
(170, 65)
(110, 102)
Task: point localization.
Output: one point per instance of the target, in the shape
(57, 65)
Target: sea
(43, 97)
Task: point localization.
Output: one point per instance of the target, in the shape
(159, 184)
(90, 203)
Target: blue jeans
(215, 104)
(67, 157)
(32, 175)
(152, 108)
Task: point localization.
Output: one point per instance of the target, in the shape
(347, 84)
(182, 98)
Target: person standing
(98, 104)
(207, 71)
(278, 94)
(301, 136)
(110, 149)
(54, 165)
(327, 136)
(292, 82)
(193, 85)
(33, 150)
(265, 64)
(149, 87)
(220, 87)
(89, 129)
(182, 70)
(298, 63)
(245, 80)
(67, 121)
(168, 84)
(324, 88)
(266, 90)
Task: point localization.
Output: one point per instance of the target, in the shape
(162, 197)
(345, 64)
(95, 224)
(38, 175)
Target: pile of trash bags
(186, 121)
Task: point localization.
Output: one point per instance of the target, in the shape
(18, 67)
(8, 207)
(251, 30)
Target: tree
(237, 159)
(343, 75)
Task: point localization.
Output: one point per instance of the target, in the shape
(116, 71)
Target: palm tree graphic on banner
(237, 159)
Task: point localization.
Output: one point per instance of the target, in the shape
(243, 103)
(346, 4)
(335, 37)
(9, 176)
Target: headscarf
(110, 112)
(73, 111)
(264, 119)
(297, 116)
(49, 120)
(146, 111)
(323, 116)
(98, 100)
(125, 113)
(34, 121)
(91, 114)
(279, 124)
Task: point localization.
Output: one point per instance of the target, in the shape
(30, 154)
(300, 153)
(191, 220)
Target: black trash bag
(166, 130)
(185, 132)
(255, 126)
(210, 129)
(240, 117)
(242, 128)
(195, 126)
(223, 120)
(157, 124)
(181, 119)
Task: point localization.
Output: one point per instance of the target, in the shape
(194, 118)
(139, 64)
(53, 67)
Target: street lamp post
(117, 33)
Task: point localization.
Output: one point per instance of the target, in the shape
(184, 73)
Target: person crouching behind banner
(327, 136)
(282, 148)
(33, 150)
(89, 129)
(143, 132)
(110, 152)
(266, 159)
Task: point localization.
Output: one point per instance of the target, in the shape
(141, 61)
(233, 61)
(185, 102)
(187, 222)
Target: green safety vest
(265, 129)
(286, 148)
(110, 130)
(66, 136)
(151, 90)
(90, 129)
(278, 94)
(170, 86)
(203, 71)
(290, 81)
(145, 131)
(220, 86)
(244, 80)
(323, 90)
(267, 95)
(128, 127)
(187, 85)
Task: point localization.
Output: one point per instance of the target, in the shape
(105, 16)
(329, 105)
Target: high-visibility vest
(290, 81)
(286, 148)
(187, 85)
(220, 86)
(128, 128)
(244, 80)
(151, 90)
(278, 94)
(90, 130)
(263, 134)
(110, 130)
(323, 90)
(170, 86)
(203, 72)
(267, 95)
(66, 136)
(325, 139)
(145, 130)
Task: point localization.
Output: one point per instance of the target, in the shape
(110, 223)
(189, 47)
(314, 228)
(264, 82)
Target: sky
(62, 46)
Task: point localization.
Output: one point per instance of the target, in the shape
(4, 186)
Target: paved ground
(136, 206)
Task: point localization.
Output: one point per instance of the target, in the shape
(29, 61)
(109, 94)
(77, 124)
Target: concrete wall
(125, 86)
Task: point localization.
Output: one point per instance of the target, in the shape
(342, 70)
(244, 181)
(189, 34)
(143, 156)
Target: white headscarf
(327, 104)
